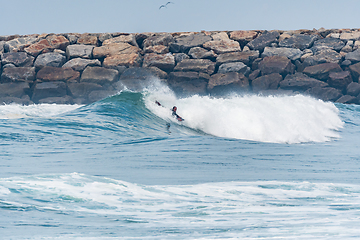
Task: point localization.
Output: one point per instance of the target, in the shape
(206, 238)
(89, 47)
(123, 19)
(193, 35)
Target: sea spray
(277, 119)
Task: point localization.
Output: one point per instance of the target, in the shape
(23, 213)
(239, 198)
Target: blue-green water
(246, 167)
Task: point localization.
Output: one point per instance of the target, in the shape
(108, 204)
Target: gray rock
(264, 40)
(184, 43)
(99, 75)
(353, 89)
(199, 52)
(196, 65)
(355, 71)
(347, 99)
(180, 56)
(324, 93)
(266, 82)
(165, 62)
(57, 100)
(14, 89)
(185, 83)
(161, 39)
(332, 43)
(300, 82)
(18, 74)
(83, 89)
(136, 78)
(339, 80)
(49, 59)
(2, 43)
(222, 83)
(354, 56)
(291, 53)
(104, 36)
(25, 100)
(79, 64)
(49, 74)
(245, 57)
(324, 56)
(79, 50)
(18, 44)
(239, 67)
(276, 64)
(99, 95)
(48, 89)
(19, 59)
(299, 41)
(322, 71)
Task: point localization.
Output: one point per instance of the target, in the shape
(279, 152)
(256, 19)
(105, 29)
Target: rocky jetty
(83, 68)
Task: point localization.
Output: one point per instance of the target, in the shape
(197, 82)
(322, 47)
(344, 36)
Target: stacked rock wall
(83, 68)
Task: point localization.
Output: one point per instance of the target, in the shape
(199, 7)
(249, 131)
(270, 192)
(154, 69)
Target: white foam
(278, 119)
(13, 111)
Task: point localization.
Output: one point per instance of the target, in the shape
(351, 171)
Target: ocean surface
(238, 167)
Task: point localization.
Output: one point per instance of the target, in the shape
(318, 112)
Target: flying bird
(165, 5)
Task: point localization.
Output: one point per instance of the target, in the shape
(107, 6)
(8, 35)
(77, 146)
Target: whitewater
(238, 167)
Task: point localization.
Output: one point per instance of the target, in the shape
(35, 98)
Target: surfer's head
(174, 108)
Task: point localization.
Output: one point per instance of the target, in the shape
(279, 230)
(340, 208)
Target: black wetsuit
(177, 116)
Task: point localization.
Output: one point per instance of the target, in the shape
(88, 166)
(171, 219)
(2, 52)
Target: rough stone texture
(99, 75)
(42, 46)
(199, 52)
(48, 89)
(188, 82)
(88, 39)
(347, 99)
(332, 43)
(79, 50)
(322, 71)
(58, 41)
(353, 89)
(58, 100)
(300, 82)
(180, 56)
(104, 36)
(165, 62)
(350, 35)
(19, 59)
(24, 100)
(125, 38)
(18, 74)
(184, 43)
(291, 53)
(114, 49)
(223, 46)
(239, 67)
(220, 36)
(266, 82)
(14, 89)
(243, 36)
(49, 59)
(324, 93)
(162, 39)
(83, 89)
(324, 56)
(79, 64)
(2, 43)
(159, 49)
(48, 74)
(276, 64)
(264, 40)
(226, 82)
(196, 65)
(355, 71)
(128, 60)
(245, 57)
(99, 95)
(339, 80)
(18, 44)
(299, 41)
(354, 56)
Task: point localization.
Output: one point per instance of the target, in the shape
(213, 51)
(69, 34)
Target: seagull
(165, 5)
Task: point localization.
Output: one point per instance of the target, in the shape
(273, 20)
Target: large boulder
(14, 89)
(124, 38)
(83, 89)
(79, 64)
(300, 41)
(2, 43)
(199, 52)
(37, 48)
(19, 59)
(266, 82)
(128, 60)
(325, 55)
(347, 99)
(332, 43)
(243, 37)
(353, 89)
(350, 35)
(291, 53)
(339, 80)
(49, 59)
(221, 83)
(48, 89)
(79, 50)
(222, 46)
(159, 49)
(196, 65)
(322, 71)
(165, 62)
(354, 56)
(185, 42)
(188, 82)
(58, 100)
(18, 74)
(355, 71)
(239, 67)
(18, 44)
(49, 74)
(136, 78)
(114, 49)
(300, 82)
(88, 39)
(324, 93)
(245, 57)
(58, 41)
(276, 64)
(99, 75)
(264, 40)
(164, 39)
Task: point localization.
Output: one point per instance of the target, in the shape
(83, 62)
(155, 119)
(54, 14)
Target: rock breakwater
(83, 68)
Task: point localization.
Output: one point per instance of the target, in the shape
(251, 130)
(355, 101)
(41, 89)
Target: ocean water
(238, 167)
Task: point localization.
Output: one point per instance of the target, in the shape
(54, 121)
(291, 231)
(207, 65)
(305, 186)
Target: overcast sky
(94, 16)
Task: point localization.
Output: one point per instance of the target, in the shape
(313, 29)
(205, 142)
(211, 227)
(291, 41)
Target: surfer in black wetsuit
(175, 114)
